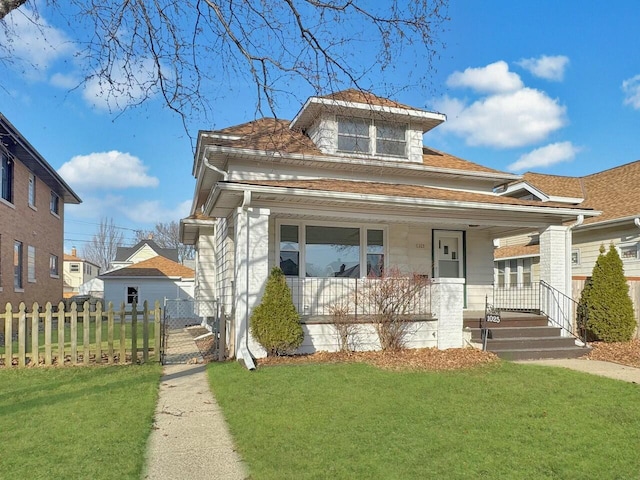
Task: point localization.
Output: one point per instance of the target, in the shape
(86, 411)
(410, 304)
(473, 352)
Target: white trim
(515, 187)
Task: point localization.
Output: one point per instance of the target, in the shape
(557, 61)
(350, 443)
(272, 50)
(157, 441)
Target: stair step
(503, 344)
(533, 321)
(542, 353)
(518, 332)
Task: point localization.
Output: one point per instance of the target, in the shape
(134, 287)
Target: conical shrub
(605, 306)
(275, 323)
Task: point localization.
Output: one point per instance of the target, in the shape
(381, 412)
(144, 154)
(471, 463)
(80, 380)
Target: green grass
(80, 423)
(508, 421)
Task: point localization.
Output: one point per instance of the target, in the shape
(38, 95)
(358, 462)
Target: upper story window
(32, 190)
(55, 204)
(372, 137)
(6, 185)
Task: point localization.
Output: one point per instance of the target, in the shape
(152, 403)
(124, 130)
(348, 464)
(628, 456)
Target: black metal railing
(360, 296)
(521, 297)
(561, 311)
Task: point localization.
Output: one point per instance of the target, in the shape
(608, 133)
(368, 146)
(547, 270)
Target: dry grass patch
(411, 359)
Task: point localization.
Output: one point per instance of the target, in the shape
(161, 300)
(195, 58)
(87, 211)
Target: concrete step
(506, 322)
(532, 343)
(518, 332)
(540, 353)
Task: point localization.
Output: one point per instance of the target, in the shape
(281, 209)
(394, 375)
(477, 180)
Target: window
(74, 267)
(31, 264)
(629, 252)
(375, 253)
(132, 295)
(353, 135)
(32, 190)
(55, 204)
(526, 272)
(6, 187)
(331, 251)
(391, 139)
(513, 273)
(575, 257)
(289, 250)
(17, 265)
(359, 135)
(501, 267)
(53, 266)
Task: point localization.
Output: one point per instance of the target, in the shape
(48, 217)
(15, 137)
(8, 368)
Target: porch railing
(521, 297)
(359, 296)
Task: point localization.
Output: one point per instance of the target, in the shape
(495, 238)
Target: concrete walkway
(595, 367)
(190, 438)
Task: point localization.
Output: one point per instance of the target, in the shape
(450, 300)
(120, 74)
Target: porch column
(251, 270)
(553, 257)
(447, 304)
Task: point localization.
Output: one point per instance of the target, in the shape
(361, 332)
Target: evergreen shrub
(275, 323)
(605, 308)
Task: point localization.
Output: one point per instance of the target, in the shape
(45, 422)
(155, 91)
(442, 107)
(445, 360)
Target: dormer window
(359, 135)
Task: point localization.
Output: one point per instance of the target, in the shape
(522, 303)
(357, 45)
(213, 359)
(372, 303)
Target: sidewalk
(190, 438)
(595, 367)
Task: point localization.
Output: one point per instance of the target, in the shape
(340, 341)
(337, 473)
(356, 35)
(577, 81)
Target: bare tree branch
(101, 250)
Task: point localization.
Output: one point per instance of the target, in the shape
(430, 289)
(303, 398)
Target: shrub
(605, 308)
(275, 323)
(346, 329)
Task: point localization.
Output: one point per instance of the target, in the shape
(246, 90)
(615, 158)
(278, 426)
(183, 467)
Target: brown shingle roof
(357, 96)
(516, 251)
(158, 266)
(434, 158)
(555, 185)
(615, 192)
(398, 190)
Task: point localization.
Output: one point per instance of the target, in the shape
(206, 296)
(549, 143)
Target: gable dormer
(353, 123)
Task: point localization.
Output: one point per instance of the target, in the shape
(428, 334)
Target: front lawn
(498, 421)
(80, 423)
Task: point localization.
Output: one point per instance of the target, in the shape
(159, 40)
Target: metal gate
(191, 331)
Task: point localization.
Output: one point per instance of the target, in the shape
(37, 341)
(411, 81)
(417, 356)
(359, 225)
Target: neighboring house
(32, 200)
(76, 272)
(143, 250)
(615, 192)
(344, 192)
(149, 280)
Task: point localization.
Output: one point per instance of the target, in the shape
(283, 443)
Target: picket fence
(83, 335)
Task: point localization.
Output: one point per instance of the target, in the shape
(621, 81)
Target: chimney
(73, 252)
(150, 236)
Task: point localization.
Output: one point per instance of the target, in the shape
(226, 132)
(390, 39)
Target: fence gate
(190, 329)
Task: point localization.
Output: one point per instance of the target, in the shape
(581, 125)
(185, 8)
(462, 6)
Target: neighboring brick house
(32, 200)
(76, 272)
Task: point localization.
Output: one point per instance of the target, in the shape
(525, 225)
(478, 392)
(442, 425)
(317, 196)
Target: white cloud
(545, 156)
(105, 170)
(64, 81)
(151, 211)
(507, 120)
(34, 44)
(127, 84)
(631, 89)
(549, 68)
(494, 78)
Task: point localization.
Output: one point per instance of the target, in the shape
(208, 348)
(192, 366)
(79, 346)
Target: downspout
(636, 221)
(225, 174)
(243, 348)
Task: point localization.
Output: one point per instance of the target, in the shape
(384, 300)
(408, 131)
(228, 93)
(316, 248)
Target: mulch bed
(413, 359)
(625, 353)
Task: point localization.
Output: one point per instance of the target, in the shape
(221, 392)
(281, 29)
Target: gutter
(636, 221)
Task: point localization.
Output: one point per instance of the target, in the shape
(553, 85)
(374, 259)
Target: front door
(448, 254)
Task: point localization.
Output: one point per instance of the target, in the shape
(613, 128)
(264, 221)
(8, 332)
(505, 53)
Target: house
(343, 193)
(615, 192)
(76, 272)
(143, 250)
(32, 200)
(148, 280)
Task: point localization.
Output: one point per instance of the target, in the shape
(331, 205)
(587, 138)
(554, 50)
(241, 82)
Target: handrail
(560, 305)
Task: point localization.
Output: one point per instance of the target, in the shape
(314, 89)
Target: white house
(76, 272)
(341, 194)
(149, 280)
(143, 250)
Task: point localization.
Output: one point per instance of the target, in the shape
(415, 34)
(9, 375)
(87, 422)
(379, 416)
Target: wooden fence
(79, 335)
(634, 293)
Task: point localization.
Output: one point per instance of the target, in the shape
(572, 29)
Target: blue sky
(548, 86)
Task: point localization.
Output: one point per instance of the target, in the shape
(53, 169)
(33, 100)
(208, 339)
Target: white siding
(479, 269)
(149, 289)
(588, 243)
